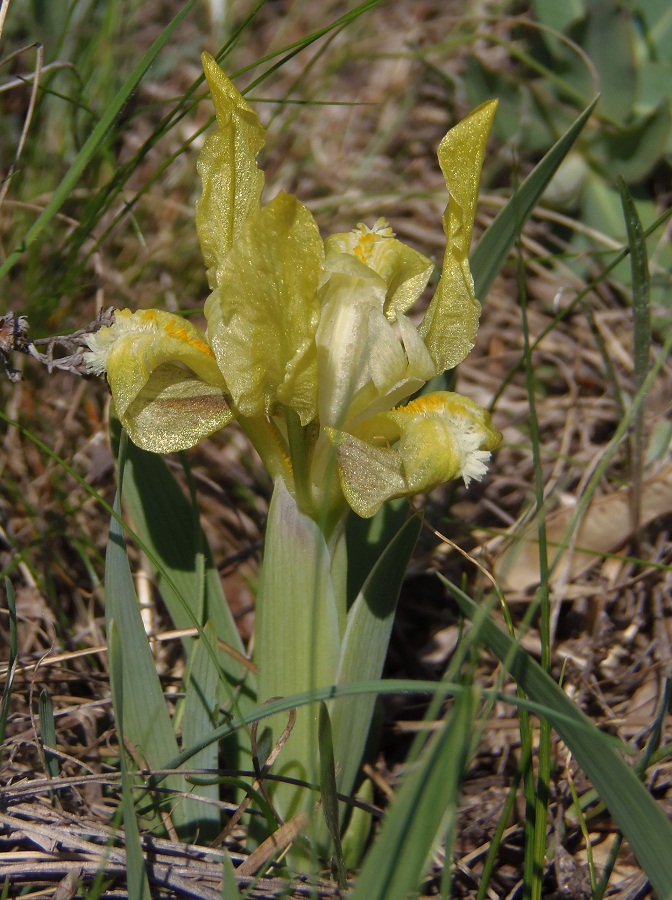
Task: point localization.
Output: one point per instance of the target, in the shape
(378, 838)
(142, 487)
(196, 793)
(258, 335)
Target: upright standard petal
(404, 270)
(263, 315)
(167, 388)
(232, 181)
(450, 324)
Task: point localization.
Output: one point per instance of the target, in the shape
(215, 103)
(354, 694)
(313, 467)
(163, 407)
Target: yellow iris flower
(311, 336)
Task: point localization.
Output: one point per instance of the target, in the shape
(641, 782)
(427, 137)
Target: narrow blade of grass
(48, 733)
(642, 821)
(230, 889)
(94, 141)
(328, 792)
(490, 254)
(11, 664)
(425, 805)
(641, 292)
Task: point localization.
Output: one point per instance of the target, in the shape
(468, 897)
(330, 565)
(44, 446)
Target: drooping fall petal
(412, 449)
(167, 387)
(264, 312)
(450, 324)
(227, 164)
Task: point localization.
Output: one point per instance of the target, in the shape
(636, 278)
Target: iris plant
(313, 346)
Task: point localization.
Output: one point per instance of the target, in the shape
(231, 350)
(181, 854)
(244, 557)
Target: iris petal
(450, 324)
(167, 387)
(232, 181)
(263, 315)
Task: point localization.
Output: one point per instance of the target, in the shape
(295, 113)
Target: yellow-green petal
(450, 325)
(413, 449)
(167, 387)
(174, 411)
(369, 475)
(404, 270)
(232, 181)
(263, 315)
(441, 436)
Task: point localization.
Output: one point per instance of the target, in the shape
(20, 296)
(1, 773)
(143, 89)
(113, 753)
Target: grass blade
(48, 733)
(425, 805)
(94, 141)
(642, 821)
(328, 792)
(641, 294)
(11, 664)
(489, 256)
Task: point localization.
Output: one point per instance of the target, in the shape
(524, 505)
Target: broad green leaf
(635, 149)
(365, 643)
(658, 16)
(367, 539)
(167, 524)
(201, 717)
(147, 724)
(297, 638)
(490, 254)
(608, 41)
(557, 16)
(425, 806)
(642, 821)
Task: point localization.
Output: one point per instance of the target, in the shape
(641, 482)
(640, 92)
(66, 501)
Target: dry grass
(612, 618)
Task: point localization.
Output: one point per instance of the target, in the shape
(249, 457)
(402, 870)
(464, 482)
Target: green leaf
(642, 821)
(186, 577)
(201, 717)
(147, 724)
(328, 792)
(367, 539)
(609, 41)
(297, 638)
(230, 889)
(490, 254)
(557, 16)
(633, 150)
(640, 285)
(364, 648)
